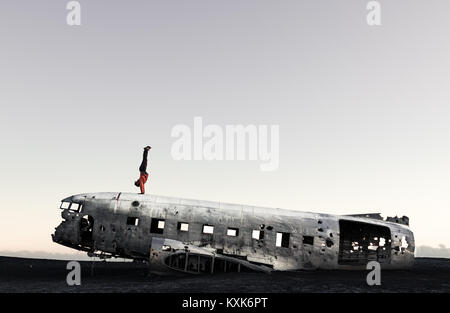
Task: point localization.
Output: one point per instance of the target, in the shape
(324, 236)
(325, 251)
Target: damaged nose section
(75, 231)
(67, 232)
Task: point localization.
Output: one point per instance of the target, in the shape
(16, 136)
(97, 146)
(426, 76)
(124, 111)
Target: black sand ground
(38, 275)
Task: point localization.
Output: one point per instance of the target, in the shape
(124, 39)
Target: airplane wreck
(196, 236)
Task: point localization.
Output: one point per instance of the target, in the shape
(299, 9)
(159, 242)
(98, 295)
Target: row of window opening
(157, 227)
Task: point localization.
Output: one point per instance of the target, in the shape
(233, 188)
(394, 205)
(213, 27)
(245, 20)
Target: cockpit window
(71, 206)
(65, 205)
(75, 207)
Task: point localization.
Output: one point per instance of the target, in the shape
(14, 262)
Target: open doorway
(86, 228)
(361, 243)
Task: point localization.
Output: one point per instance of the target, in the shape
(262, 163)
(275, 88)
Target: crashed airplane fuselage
(206, 237)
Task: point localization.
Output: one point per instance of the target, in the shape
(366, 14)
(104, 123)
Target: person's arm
(141, 185)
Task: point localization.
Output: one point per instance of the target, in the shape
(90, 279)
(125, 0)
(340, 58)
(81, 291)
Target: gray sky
(363, 111)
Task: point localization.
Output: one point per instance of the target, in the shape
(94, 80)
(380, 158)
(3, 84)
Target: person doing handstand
(143, 171)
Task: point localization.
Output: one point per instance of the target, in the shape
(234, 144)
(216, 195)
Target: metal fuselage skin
(125, 225)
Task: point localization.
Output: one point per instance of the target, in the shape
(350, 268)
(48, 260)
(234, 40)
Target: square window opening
(233, 232)
(157, 226)
(183, 226)
(282, 240)
(133, 221)
(257, 234)
(208, 229)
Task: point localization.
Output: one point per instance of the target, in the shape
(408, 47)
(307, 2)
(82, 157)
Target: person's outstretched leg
(143, 167)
